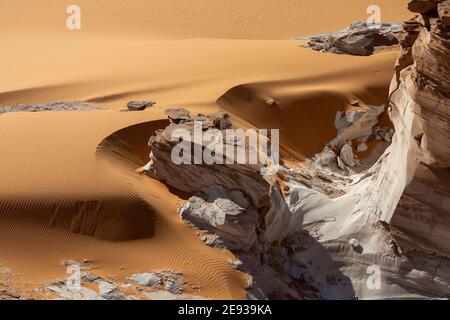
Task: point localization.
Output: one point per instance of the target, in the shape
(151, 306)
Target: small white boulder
(347, 155)
(362, 147)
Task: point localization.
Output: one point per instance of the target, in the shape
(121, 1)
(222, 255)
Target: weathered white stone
(362, 147)
(347, 156)
(145, 279)
(109, 291)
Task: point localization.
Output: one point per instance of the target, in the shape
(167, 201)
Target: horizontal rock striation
(394, 219)
(420, 96)
(400, 207)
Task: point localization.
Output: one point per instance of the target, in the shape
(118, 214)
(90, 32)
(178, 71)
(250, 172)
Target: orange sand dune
(45, 187)
(68, 182)
(306, 107)
(172, 51)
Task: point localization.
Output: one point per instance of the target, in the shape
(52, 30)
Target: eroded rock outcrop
(354, 129)
(400, 207)
(235, 195)
(240, 203)
(139, 105)
(314, 231)
(360, 39)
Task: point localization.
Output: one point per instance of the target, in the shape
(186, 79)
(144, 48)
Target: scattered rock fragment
(325, 158)
(354, 242)
(178, 115)
(357, 124)
(219, 213)
(139, 105)
(88, 277)
(341, 164)
(169, 280)
(347, 156)
(362, 147)
(53, 106)
(65, 291)
(212, 240)
(145, 279)
(356, 245)
(271, 102)
(110, 291)
(174, 285)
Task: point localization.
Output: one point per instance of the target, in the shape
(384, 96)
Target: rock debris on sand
(360, 39)
(139, 105)
(52, 106)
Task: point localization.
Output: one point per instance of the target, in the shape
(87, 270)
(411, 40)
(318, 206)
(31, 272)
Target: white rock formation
(399, 210)
(347, 156)
(385, 234)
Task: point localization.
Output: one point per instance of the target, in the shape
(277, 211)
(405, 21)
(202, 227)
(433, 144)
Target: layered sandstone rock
(234, 200)
(420, 96)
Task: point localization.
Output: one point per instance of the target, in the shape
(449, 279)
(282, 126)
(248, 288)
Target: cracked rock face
(224, 215)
